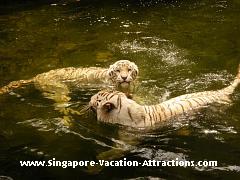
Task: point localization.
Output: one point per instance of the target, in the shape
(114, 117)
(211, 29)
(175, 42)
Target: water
(179, 46)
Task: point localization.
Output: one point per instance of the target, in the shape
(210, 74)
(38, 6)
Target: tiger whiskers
(86, 109)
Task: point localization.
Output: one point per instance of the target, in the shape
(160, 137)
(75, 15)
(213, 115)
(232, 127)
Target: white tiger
(115, 107)
(54, 83)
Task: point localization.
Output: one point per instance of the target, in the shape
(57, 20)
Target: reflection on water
(179, 46)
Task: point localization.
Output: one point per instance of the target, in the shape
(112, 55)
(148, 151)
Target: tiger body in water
(116, 107)
(55, 83)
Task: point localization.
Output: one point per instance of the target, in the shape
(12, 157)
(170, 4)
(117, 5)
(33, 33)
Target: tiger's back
(75, 74)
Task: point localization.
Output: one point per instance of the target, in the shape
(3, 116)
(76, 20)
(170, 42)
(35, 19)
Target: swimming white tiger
(121, 74)
(115, 107)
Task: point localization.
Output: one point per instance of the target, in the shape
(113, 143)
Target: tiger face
(123, 73)
(98, 101)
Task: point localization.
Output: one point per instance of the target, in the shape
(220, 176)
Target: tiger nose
(124, 77)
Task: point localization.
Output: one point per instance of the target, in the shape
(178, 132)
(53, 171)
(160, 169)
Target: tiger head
(115, 107)
(123, 73)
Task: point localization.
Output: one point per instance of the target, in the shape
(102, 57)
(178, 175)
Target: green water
(179, 46)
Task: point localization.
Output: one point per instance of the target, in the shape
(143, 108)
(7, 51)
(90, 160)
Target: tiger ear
(108, 106)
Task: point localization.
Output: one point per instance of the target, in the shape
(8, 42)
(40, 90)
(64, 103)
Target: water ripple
(58, 125)
(158, 155)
